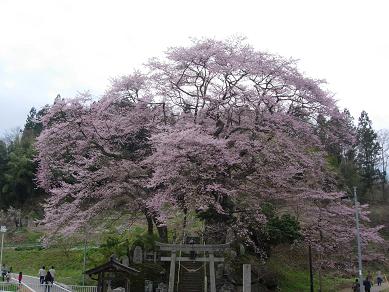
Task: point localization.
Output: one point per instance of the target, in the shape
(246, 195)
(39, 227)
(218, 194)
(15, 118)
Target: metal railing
(75, 288)
(36, 287)
(6, 286)
(59, 288)
(46, 288)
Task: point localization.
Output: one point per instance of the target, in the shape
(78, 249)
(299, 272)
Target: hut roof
(112, 266)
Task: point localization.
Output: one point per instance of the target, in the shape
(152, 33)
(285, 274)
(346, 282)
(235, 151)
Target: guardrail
(59, 288)
(5, 286)
(13, 287)
(75, 288)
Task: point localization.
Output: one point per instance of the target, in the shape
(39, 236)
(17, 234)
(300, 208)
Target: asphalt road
(33, 284)
(375, 288)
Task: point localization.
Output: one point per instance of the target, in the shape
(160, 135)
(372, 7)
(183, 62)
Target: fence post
(246, 278)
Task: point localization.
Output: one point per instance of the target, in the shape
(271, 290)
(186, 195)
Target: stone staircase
(191, 277)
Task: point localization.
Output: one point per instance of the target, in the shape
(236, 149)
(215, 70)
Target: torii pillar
(198, 249)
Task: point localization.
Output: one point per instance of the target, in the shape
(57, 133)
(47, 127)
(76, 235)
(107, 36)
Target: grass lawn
(293, 274)
(298, 280)
(68, 266)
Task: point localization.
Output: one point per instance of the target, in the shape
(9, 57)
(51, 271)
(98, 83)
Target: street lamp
(3, 230)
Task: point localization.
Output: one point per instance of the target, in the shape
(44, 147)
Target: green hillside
(68, 267)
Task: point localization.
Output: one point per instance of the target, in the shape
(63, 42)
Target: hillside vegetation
(288, 268)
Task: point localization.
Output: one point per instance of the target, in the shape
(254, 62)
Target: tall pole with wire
(3, 230)
(84, 264)
(358, 241)
(383, 173)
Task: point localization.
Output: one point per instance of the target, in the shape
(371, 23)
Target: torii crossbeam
(197, 248)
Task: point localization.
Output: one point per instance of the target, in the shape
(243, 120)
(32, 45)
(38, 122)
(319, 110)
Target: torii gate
(188, 248)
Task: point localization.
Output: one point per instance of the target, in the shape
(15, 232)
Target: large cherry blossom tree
(216, 129)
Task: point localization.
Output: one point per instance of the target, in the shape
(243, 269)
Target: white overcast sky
(65, 46)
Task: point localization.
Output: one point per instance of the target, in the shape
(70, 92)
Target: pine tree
(17, 166)
(368, 150)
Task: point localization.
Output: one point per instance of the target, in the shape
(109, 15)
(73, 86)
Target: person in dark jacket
(367, 283)
(20, 277)
(48, 281)
(380, 279)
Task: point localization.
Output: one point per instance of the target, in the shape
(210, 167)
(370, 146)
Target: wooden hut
(112, 270)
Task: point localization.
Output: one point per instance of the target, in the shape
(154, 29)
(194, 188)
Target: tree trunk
(161, 228)
(162, 232)
(215, 233)
(184, 223)
(150, 224)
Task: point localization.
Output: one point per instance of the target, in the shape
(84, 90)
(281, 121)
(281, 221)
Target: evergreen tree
(341, 153)
(18, 166)
(33, 126)
(3, 163)
(368, 150)
(19, 174)
(383, 138)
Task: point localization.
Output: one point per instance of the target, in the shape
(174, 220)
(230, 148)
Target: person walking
(42, 274)
(20, 277)
(367, 283)
(3, 271)
(52, 272)
(356, 285)
(380, 279)
(48, 282)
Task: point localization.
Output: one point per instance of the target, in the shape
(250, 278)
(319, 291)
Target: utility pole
(383, 172)
(3, 230)
(358, 241)
(84, 266)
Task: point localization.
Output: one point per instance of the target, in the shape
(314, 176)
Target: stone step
(191, 281)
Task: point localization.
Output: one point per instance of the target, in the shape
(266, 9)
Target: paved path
(33, 284)
(384, 287)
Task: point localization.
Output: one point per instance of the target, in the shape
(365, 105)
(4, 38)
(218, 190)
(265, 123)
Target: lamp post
(3, 230)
